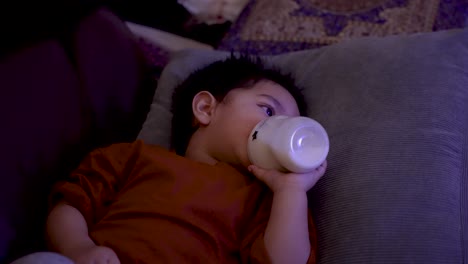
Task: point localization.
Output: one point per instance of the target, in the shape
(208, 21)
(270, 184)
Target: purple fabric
(110, 65)
(61, 98)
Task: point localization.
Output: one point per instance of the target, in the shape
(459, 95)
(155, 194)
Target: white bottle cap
(301, 145)
(296, 144)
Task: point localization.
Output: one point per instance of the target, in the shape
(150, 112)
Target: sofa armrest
(62, 97)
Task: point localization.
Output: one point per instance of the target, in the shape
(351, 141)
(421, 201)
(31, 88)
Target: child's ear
(203, 105)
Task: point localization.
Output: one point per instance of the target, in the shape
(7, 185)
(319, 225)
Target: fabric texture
(396, 112)
(153, 206)
(278, 26)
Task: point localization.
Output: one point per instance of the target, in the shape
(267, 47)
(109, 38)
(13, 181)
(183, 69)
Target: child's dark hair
(219, 78)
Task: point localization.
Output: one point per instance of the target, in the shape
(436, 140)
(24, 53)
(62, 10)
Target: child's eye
(268, 110)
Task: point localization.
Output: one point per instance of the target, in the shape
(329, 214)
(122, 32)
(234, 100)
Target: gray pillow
(396, 110)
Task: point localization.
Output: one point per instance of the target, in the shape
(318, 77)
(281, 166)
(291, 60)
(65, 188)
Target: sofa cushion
(396, 111)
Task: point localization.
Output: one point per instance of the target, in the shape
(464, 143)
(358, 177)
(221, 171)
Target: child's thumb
(255, 170)
(261, 174)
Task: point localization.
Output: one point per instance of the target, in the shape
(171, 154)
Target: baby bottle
(289, 144)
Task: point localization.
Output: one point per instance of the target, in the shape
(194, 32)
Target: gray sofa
(396, 110)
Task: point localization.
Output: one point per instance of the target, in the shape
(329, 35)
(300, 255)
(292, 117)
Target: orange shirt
(152, 206)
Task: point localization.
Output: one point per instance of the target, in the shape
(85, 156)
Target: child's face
(234, 118)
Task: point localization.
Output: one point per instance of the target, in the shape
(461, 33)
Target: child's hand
(278, 181)
(95, 255)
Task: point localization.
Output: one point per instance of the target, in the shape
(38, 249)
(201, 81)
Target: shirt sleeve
(94, 184)
(253, 250)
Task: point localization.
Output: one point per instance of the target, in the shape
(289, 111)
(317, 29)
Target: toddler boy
(203, 202)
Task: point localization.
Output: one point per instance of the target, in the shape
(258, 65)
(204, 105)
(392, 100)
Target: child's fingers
(324, 164)
(322, 168)
(261, 174)
(258, 172)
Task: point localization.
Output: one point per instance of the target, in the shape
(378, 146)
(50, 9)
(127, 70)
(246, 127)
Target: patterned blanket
(278, 26)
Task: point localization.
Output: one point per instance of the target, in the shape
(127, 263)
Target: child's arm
(82, 200)
(67, 229)
(286, 236)
(68, 234)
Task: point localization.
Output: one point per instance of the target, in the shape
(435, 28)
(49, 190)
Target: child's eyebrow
(276, 103)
